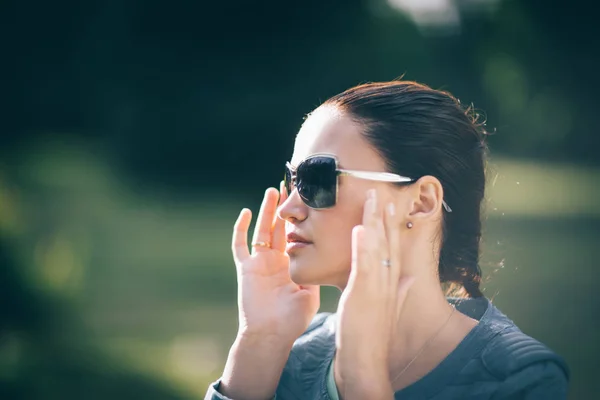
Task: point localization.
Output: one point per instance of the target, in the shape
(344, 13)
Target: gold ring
(261, 244)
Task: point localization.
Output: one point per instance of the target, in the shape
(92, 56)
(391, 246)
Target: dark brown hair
(420, 131)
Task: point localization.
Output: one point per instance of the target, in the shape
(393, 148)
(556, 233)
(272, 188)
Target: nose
(293, 208)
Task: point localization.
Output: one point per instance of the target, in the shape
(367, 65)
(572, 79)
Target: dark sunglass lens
(317, 182)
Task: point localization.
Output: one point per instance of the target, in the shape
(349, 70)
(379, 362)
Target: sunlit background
(132, 132)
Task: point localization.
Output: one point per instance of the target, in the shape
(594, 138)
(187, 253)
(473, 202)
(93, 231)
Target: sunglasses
(316, 179)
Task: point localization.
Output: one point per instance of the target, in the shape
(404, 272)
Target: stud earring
(409, 224)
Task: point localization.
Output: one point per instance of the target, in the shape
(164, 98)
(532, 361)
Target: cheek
(336, 233)
(350, 206)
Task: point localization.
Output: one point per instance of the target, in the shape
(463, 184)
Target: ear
(428, 197)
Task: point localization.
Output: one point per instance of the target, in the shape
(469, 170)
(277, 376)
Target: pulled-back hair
(420, 131)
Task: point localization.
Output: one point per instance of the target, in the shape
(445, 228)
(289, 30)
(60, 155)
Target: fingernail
(371, 194)
(391, 209)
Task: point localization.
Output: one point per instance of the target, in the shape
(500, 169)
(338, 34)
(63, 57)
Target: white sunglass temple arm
(382, 177)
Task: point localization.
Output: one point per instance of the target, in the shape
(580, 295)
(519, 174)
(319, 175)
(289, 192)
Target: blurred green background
(132, 132)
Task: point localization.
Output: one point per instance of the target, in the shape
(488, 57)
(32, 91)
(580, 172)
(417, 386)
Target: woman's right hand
(273, 310)
(269, 302)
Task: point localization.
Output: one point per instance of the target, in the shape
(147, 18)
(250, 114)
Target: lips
(295, 238)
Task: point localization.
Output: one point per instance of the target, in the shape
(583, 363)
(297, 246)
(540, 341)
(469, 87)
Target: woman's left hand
(370, 305)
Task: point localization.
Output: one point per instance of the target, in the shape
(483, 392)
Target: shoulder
(317, 340)
(511, 351)
(526, 367)
(321, 321)
(307, 365)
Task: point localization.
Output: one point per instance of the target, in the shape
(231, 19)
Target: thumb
(357, 265)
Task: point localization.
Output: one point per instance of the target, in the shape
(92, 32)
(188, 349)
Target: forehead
(327, 130)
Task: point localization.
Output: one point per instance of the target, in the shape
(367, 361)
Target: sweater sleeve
(309, 350)
(543, 380)
(213, 392)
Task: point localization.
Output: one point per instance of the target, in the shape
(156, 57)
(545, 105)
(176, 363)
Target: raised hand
(370, 305)
(273, 310)
(269, 302)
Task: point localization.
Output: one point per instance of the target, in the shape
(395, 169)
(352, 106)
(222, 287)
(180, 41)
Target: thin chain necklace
(427, 343)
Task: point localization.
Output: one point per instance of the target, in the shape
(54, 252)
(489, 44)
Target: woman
(381, 199)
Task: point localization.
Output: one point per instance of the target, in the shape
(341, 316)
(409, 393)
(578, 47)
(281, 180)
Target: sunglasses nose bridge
(290, 179)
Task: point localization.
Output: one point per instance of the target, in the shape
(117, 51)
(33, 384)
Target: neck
(424, 312)
(425, 315)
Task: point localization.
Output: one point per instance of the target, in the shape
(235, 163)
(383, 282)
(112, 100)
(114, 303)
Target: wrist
(355, 366)
(359, 381)
(261, 340)
(254, 367)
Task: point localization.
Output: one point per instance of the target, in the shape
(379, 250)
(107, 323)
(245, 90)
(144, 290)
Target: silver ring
(386, 263)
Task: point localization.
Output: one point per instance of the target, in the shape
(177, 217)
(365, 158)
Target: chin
(310, 271)
(302, 272)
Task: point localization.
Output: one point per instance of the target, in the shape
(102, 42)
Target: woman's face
(326, 259)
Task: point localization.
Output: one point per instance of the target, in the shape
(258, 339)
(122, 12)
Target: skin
(385, 314)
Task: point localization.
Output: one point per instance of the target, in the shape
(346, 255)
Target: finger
(359, 264)
(370, 208)
(262, 230)
(360, 270)
(278, 240)
(381, 249)
(368, 220)
(392, 228)
(375, 236)
(239, 240)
